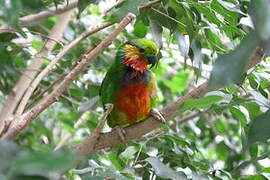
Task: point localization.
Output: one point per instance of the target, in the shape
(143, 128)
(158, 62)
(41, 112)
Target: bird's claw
(108, 106)
(157, 115)
(121, 133)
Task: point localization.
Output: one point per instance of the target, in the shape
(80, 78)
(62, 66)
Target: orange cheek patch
(134, 101)
(134, 59)
(139, 64)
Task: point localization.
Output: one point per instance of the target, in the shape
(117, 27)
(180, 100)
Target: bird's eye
(141, 50)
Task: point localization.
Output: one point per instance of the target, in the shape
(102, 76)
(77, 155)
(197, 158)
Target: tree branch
(150, 4)
(45, 71)
(137, 130)
(20, 123)
(30, 19)
(27, 76)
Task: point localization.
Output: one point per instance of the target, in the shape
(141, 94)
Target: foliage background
(224, 134)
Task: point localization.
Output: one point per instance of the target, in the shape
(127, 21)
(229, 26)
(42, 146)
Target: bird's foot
(157, 115)
(121, 133)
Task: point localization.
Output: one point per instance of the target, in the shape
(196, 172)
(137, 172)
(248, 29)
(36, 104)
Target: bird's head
(138, 54)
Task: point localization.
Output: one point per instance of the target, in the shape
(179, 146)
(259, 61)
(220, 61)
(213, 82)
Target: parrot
(130, 85)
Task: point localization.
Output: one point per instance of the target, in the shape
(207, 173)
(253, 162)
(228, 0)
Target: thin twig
(80, 121)
(34, 32)
(143, 7)
(149, 5)
(65, 139)
(45, 71)
(169, 17)
(45, 90)
(109, 108)
(113, 6)
(9, 30)
(30, 19)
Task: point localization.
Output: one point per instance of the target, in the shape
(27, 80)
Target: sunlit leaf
(253, 177)
(116, 161)
(82, 4)
(164, 171)
(140, 30)
(178, 83)
(183, 45)
(201, 103)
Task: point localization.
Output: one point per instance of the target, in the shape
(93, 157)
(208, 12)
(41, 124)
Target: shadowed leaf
(259, 128)
(229, 67)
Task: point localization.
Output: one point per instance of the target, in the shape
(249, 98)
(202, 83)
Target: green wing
(111, 85)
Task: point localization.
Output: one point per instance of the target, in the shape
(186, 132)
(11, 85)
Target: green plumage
(132, 92)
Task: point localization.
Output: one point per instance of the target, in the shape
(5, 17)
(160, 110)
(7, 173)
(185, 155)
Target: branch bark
(30, 19)
(137, 130)
(45, 71)
(20, 123)
(27, 76)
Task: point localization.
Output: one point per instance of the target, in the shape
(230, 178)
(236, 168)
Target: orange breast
(134, 101)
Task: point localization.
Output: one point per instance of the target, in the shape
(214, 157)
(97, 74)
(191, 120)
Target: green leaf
(42, 162)
(7, 36)
(140, 30)
(230, 6)
(178, 83)
(222, 151)
(82, 4)
(259, 128)
(215, 40)
(260, 14)
(220, 126)
(164, 171)
(10, 12)
(253, 110)
(253, 177)
(230, 16)
(228, 68)
(33, 5)
(7, 154)
(37, 45)
(163, 18)
(253, 150)
(208, 12)
(266, 170)
(156, 31)
(183, 46)
(202, 103)
(128, 153)
(124, 8)
(116, 161)
(197, 53)
(237, 114)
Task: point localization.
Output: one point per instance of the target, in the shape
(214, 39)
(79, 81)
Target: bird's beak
(152, 60)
